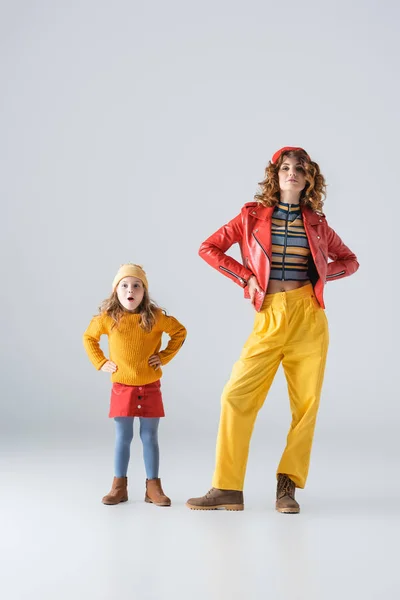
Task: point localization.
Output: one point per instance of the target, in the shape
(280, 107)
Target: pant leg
(123, 439)
(151, 453)
(244, 395)
(304, 365)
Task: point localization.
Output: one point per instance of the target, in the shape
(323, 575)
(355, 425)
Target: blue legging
(149, 437)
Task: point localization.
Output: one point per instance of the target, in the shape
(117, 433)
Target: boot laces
(286, 487)
(209, 493)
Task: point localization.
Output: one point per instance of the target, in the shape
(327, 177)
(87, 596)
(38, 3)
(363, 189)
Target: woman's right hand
(109, 367)
(254, 287)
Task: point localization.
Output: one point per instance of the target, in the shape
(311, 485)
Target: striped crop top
(290, 249)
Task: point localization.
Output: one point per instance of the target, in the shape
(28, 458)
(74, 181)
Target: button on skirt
(136, 400)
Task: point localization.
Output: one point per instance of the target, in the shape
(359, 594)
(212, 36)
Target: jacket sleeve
(213, 251)
(344, 261)
(176, 332)
(91, 339)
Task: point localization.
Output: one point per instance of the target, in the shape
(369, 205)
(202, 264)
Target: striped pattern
(290, 249)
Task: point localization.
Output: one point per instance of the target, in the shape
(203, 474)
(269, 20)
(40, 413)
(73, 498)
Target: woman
(285, 243)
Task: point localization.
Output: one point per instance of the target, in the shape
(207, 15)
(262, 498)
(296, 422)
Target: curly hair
(147, 309)
(314, 192)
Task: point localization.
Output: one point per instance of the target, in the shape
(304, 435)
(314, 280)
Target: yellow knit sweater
(130, 347)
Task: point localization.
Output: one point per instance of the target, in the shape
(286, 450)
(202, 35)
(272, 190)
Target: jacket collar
(261, 212)
(312, 217)
(265, 213)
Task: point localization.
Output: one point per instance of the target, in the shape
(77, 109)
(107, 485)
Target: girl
(285, 242)
(134, 326)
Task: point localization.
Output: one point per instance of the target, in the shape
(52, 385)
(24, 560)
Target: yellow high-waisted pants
(292, 328)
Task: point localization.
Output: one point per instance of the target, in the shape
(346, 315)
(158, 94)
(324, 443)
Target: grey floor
(58, 541)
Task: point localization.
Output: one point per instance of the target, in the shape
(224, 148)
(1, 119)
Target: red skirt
(136, 400)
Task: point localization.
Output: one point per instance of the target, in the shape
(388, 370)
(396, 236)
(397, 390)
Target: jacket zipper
(323, 254)
(335, 274)
(285, 246)
(259, 243)
(234, 275)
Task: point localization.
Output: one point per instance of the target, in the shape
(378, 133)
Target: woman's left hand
(254, 287)
(155, 361)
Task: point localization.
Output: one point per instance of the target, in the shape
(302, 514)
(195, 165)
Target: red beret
(282, 150)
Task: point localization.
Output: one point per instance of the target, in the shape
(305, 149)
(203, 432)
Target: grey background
(130, 132)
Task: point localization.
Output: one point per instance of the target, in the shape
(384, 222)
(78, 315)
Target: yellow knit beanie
(130, 270)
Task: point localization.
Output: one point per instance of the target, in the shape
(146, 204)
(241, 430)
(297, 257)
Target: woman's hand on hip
(109, 367)
(155, 361)
(254, 287)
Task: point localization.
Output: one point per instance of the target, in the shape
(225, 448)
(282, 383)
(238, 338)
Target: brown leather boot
(118, 493)
(216, 498)
(285, 490)
(155, 494)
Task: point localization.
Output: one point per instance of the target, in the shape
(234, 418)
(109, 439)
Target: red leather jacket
(251, 229)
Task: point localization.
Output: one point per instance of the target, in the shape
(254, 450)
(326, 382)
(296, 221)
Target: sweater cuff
(101, 363)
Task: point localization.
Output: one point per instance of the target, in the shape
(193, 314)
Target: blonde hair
(147, 309)
(314, 192)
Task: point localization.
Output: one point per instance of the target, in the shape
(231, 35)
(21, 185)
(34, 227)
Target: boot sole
(115, 503)
(156, 503)
(233, 507)
(288, 511)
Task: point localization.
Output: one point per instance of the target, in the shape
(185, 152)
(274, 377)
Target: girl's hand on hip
(254, 287)
(155, 361)
(109, 367)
